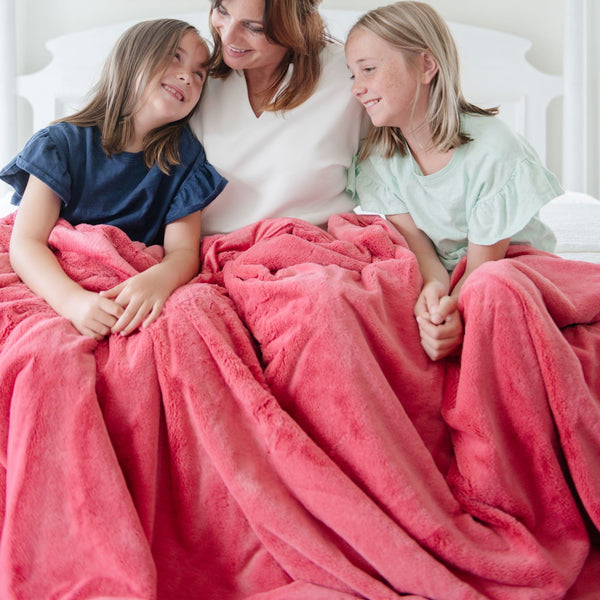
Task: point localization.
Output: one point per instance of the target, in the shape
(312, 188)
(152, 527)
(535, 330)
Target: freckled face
(239, 24)
(384, 81)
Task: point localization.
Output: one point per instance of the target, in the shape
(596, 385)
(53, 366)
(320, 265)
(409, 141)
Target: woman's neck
(259, 83)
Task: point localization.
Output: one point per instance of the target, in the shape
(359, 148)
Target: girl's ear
(429, 67)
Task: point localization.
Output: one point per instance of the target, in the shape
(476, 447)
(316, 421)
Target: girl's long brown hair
(140, 54)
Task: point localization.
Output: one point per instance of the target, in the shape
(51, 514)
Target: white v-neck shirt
(290, 164)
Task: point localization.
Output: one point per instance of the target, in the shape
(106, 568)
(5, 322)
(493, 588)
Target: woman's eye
(255, 28)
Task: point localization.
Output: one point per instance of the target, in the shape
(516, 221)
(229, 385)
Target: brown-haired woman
(277, 118)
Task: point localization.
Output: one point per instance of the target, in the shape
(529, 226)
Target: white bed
(495, 72)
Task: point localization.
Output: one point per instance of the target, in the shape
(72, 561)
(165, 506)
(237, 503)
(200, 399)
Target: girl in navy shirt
(126, 159)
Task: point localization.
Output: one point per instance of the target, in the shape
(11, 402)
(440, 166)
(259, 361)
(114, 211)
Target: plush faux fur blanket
(279, 434)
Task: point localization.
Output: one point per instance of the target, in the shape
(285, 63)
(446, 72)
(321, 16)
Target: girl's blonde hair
(140, 54)
(297, 26)
(412, 28)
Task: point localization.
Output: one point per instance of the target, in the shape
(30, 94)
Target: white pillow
(575, 219)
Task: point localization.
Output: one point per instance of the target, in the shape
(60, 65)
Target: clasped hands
(439, 320)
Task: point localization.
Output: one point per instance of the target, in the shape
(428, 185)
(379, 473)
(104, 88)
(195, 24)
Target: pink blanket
(278, 433)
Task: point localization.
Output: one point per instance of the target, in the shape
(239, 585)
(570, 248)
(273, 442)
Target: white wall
(541, 21)
(37, 20)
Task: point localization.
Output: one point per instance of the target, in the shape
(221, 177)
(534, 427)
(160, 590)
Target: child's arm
(144, 295)
(477, 255)
(440, 324)
(434, 337)
(436, 281)
(35, 263)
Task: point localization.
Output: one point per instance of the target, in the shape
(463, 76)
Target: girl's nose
(184, 77)
(357, 88)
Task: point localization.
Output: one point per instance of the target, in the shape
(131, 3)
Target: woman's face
(239, 24)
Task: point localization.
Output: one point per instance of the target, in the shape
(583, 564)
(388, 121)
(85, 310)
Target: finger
(133, 324)
(151, 317)
(111, 308)
(447, 305)
(439, 348)
(432, 300)
(114, 291)
(130, 319)
(428, 328)
(95, 330)
(439, 341)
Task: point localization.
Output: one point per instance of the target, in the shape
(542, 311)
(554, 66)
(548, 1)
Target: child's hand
(440, 323)
(142, 297)
(91, 314)
(428, 302)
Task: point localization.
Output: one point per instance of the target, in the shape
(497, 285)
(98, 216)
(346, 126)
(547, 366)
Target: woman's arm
(144, 295)
(35, 263)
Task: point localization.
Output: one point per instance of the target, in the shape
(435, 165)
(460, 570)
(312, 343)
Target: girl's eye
(220, 9)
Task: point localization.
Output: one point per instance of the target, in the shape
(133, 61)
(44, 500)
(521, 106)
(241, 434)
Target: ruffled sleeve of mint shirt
(368, 188)
(511, 210)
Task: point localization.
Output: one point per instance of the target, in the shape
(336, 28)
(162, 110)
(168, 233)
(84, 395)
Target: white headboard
(495, 72)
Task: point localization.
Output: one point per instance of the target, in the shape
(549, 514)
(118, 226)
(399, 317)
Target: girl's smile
(392, 84)
(175, 92)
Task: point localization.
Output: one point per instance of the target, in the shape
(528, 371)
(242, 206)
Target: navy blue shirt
(117, 190)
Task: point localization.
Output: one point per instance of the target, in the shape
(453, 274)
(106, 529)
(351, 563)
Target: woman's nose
(227, 32)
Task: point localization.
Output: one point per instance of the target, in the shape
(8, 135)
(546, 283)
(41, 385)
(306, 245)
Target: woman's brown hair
(297, 26)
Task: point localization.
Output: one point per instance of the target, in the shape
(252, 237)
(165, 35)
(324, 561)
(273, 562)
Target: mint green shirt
(492, 189)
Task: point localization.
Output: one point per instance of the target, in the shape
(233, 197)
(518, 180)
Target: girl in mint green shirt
(452, 177)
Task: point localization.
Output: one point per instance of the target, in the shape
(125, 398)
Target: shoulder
(59, 138)
(333, 64)
(189, 145)
(377, 183)
(70, 139)
(73, 133)
(492, 136)
(391, 170)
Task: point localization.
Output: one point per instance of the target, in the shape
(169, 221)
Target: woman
(277, 119)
